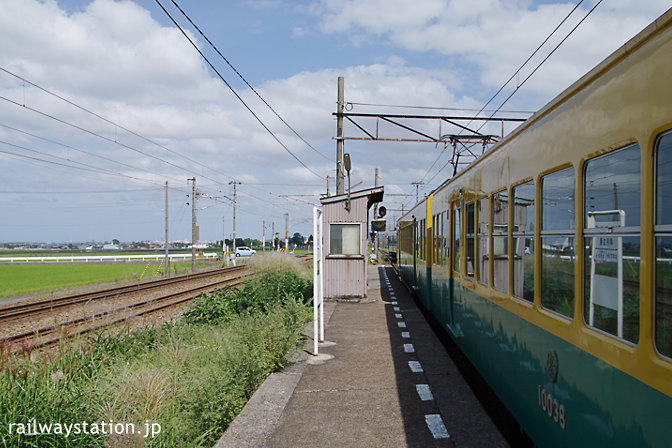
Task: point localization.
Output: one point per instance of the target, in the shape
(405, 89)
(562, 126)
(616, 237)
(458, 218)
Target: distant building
(111, 247)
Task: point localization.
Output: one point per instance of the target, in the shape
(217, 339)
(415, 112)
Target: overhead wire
(515, 74)
(247, 83)
(74, 148)
(68, 101)
(101, 117)
(545, 59)
(275, 137)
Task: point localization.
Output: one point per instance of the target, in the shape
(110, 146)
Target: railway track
(32, 327)
(41, 323)
(48, 305)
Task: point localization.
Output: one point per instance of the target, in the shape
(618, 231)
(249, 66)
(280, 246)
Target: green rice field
(26, 279)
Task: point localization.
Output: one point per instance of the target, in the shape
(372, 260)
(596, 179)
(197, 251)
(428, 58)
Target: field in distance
(41, 278)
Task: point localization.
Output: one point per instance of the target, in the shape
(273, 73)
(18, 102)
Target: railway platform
(383, 379)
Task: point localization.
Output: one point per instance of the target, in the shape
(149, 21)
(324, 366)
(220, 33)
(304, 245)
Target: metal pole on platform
(318, 306)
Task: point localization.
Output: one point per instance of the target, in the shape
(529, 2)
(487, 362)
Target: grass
(22, 279)
(191, 378)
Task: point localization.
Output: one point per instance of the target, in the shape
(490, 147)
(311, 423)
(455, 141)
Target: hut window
(345, 239)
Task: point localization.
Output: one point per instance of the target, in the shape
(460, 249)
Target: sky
(102, 102)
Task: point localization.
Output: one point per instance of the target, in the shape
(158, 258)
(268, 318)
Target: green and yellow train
(549, 259)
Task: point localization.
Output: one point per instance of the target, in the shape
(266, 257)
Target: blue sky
(124, 60)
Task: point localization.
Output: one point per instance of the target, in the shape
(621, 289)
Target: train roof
(661, 23)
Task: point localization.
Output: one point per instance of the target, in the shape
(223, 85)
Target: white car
(243, 251)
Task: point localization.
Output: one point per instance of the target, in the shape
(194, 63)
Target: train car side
(546, 260)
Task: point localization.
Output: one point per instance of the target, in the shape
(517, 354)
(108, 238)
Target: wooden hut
(345, 224)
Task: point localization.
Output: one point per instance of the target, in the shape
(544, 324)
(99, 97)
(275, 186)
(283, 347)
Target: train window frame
(557, 234)
(456, 237)
(525, 234)
(470, 238)
(607, 240)
(422, 233)
(660, 230)
(446, 238)
(483, 270)
(437, 235)
(496, 235)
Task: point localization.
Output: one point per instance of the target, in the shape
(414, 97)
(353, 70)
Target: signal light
(381, 211)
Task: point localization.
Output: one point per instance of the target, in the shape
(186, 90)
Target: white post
(318, 308)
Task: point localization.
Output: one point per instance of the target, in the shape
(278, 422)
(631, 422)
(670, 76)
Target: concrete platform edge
(259, 418)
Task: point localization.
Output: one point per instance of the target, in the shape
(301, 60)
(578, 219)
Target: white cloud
(496, 35)
(114, 58)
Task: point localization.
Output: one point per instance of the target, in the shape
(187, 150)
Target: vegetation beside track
(191, 378)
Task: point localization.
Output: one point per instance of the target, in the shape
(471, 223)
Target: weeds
(192, 378)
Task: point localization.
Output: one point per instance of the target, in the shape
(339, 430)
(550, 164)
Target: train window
(500, 240)
(663, 233)
(438, 237)
(483, 240)
(611, 256)
(557, 242)
(446, 238)
(423, 235)
(456, 238)
(471, 237)
(523, 241)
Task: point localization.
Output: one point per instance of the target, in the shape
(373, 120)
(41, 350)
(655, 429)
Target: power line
(518, 71)
(275, 137)
(247, 83)
(72, 103)
(84, 166)
(547, 57)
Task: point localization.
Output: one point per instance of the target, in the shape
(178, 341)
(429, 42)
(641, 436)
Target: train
(548, 260)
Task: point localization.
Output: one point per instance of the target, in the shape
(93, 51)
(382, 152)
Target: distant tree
(115, 241)
(297, 239)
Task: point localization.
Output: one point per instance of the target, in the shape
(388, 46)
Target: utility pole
(167, 262)
(286, 232)
(340, 178)
(193, 223)
(417, 185)
(223, 237)
(263, 236)
(234, 182)
(273, 236)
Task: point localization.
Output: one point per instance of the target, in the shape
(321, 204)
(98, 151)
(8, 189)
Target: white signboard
(607, 290)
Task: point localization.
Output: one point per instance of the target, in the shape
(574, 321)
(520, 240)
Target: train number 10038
(551, 407)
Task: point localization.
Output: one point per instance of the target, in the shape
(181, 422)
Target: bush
(275, 282)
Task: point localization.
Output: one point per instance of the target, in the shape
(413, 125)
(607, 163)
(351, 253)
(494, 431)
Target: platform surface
(383, 379)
